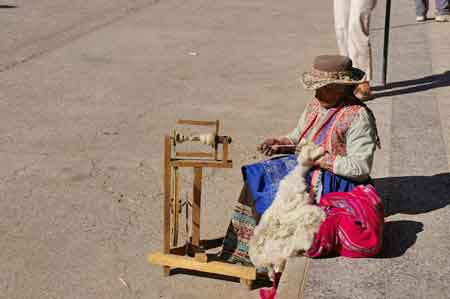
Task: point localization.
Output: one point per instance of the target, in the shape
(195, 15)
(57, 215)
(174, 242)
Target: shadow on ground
(409, 195)
(5, 6)
(399, 236)
(412, 86)
(428, 21)
(260, 282)
(414, 194)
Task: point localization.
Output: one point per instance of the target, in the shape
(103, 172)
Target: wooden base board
(217, 267)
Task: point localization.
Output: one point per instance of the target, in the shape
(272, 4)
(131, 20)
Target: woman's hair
(369, 112)
(350, 90)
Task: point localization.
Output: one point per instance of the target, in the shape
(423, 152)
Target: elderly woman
(338, 183)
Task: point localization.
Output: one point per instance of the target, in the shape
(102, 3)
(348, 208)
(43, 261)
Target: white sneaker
(441, 18)
(421, 19)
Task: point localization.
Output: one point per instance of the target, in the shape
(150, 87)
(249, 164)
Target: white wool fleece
(288, 226)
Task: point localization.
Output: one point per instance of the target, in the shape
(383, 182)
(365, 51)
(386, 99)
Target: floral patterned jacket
(346, 132)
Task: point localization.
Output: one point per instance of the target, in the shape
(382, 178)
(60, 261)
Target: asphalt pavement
(89, 89)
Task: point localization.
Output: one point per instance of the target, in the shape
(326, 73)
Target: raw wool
(288, 226)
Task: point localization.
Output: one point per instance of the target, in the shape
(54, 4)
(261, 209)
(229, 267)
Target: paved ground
(412, 170)
(88, 89)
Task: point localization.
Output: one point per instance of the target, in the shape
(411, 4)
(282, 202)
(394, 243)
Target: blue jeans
(423, 5)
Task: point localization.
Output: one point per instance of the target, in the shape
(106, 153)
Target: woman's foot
(363, 92)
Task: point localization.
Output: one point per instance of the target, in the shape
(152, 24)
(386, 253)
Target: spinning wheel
(192, 255)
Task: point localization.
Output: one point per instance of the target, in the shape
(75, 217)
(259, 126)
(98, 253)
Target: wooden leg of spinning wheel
(186, 223)
(167, 179)
(215, 144)
(196, 204)
(176, 205)
(248, 283)
(166, 212)
(166, 271)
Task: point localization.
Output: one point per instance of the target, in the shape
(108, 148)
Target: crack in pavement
(9, 178)
(46, 44)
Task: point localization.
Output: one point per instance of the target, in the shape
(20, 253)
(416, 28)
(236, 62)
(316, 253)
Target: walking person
(352, 21)
(442, 11)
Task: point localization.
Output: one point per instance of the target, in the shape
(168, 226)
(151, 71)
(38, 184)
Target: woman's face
(333, 90)
(329, 95)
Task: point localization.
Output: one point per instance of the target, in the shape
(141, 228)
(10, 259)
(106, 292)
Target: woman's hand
(266, 146)
(310, 153)
(271, 146)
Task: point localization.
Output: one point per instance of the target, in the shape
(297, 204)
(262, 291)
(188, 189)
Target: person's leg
(259, 190)
(341, 17)
(359, 43)
(353, 226)
(442, 7)
(240, 230)
(422, 8)
(358, 38)
(442, 10)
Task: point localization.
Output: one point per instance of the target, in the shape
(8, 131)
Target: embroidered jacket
(347, 133)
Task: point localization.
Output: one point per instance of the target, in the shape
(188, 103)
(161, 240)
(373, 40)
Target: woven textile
(245, 216)
(353, 226)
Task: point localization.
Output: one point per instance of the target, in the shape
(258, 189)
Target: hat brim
(313, 82)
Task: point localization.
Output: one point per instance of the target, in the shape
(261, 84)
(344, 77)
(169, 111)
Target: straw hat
(332, 69)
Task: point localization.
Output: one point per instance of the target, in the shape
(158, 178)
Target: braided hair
(355, 101)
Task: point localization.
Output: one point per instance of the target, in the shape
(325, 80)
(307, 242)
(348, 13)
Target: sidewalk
(411, 171)
(81, 133)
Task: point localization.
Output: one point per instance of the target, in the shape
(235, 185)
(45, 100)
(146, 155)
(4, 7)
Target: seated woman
(345, 130)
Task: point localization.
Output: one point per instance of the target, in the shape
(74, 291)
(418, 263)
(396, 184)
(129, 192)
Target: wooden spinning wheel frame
(192, 255)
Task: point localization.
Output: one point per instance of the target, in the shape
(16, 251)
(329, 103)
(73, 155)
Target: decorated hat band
(342, 75)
